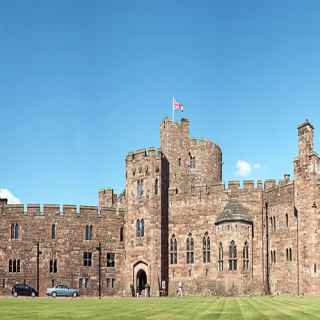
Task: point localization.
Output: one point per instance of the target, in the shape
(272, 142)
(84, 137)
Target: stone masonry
(176, 225)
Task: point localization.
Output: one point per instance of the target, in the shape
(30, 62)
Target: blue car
(62, 291)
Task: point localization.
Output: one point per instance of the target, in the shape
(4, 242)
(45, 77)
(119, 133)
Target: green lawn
(275, 308)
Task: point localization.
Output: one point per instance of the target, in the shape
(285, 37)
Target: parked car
(63, 291)
(21, 289)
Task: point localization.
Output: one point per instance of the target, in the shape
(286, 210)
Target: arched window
(142, 228)
(206, 248)
(220, 261)
(156, 186)
(173, 250)
(190, 253)
(232, 256)
(287, 220)
(138, 233)
(245, 256)
(121, 234)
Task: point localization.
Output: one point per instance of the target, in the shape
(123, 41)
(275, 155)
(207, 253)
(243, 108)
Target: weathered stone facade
(175, 225)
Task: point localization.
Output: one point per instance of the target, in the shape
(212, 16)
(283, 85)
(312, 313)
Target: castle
(175, 225)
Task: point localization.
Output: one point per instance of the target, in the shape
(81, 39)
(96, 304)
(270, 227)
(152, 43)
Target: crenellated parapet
(52, 210)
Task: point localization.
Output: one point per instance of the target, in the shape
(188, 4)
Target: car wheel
(74, 294)
(54, 294)
(15, 293)
(33, 294)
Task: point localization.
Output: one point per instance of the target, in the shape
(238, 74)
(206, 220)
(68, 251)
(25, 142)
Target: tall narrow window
(14, 231)
(121, 234)
(53, 267)
(232, 256)
(290, 254)
(10, 265)
(245, 256)
(190, 253)
(138, 232)
(287, 254)
(287, 220)
(53, 231)
(274, 224)
(220, 261)
(142, 228)
(88, 232)
(206, 248)
(140, 188)
(192, 161)
(156, 186)
(173, 250)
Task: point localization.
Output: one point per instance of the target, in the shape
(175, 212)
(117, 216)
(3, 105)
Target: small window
(173, 250)
(287, 254)
(246, 257)
(14, 231)
(287, 220)
(290, 254)
(140, 188)
(110, 260)
(53, 268)
(190, 248)
(314, 268)
(14, 265)
(232, 256)
(87, 259)
(3, 283)
(192, 161)
(121, 234)
(88, 232)
(156, 186)
(179, 162)
(206, 248)
(220, 261)
(83, 283)
(53, 231)
(113, 283)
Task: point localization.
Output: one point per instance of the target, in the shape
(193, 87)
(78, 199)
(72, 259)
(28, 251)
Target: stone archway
(140, 276)
(141, 280)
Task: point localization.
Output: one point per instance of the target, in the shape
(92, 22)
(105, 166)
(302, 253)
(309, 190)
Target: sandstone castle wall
(174, 197)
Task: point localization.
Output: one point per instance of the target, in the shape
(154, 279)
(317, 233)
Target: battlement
(143, 153)
(235, 186)
(57, 210)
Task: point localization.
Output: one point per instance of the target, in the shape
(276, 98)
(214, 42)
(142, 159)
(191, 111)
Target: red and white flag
(177, 105)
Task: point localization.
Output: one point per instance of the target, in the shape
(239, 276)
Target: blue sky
(84, 82)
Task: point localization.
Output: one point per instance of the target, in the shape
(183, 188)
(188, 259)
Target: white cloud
(6, 194)
(243, 168)
(257, 166)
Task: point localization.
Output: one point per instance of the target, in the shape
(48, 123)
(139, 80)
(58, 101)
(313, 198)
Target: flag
(177, 105)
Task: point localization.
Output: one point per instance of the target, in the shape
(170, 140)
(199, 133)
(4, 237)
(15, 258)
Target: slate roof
(232, 212)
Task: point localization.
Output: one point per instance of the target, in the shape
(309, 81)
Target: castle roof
(233, 212)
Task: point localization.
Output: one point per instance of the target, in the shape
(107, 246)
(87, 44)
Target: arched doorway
(141, 280)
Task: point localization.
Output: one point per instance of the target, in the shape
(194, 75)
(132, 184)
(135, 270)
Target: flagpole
(173, 109)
